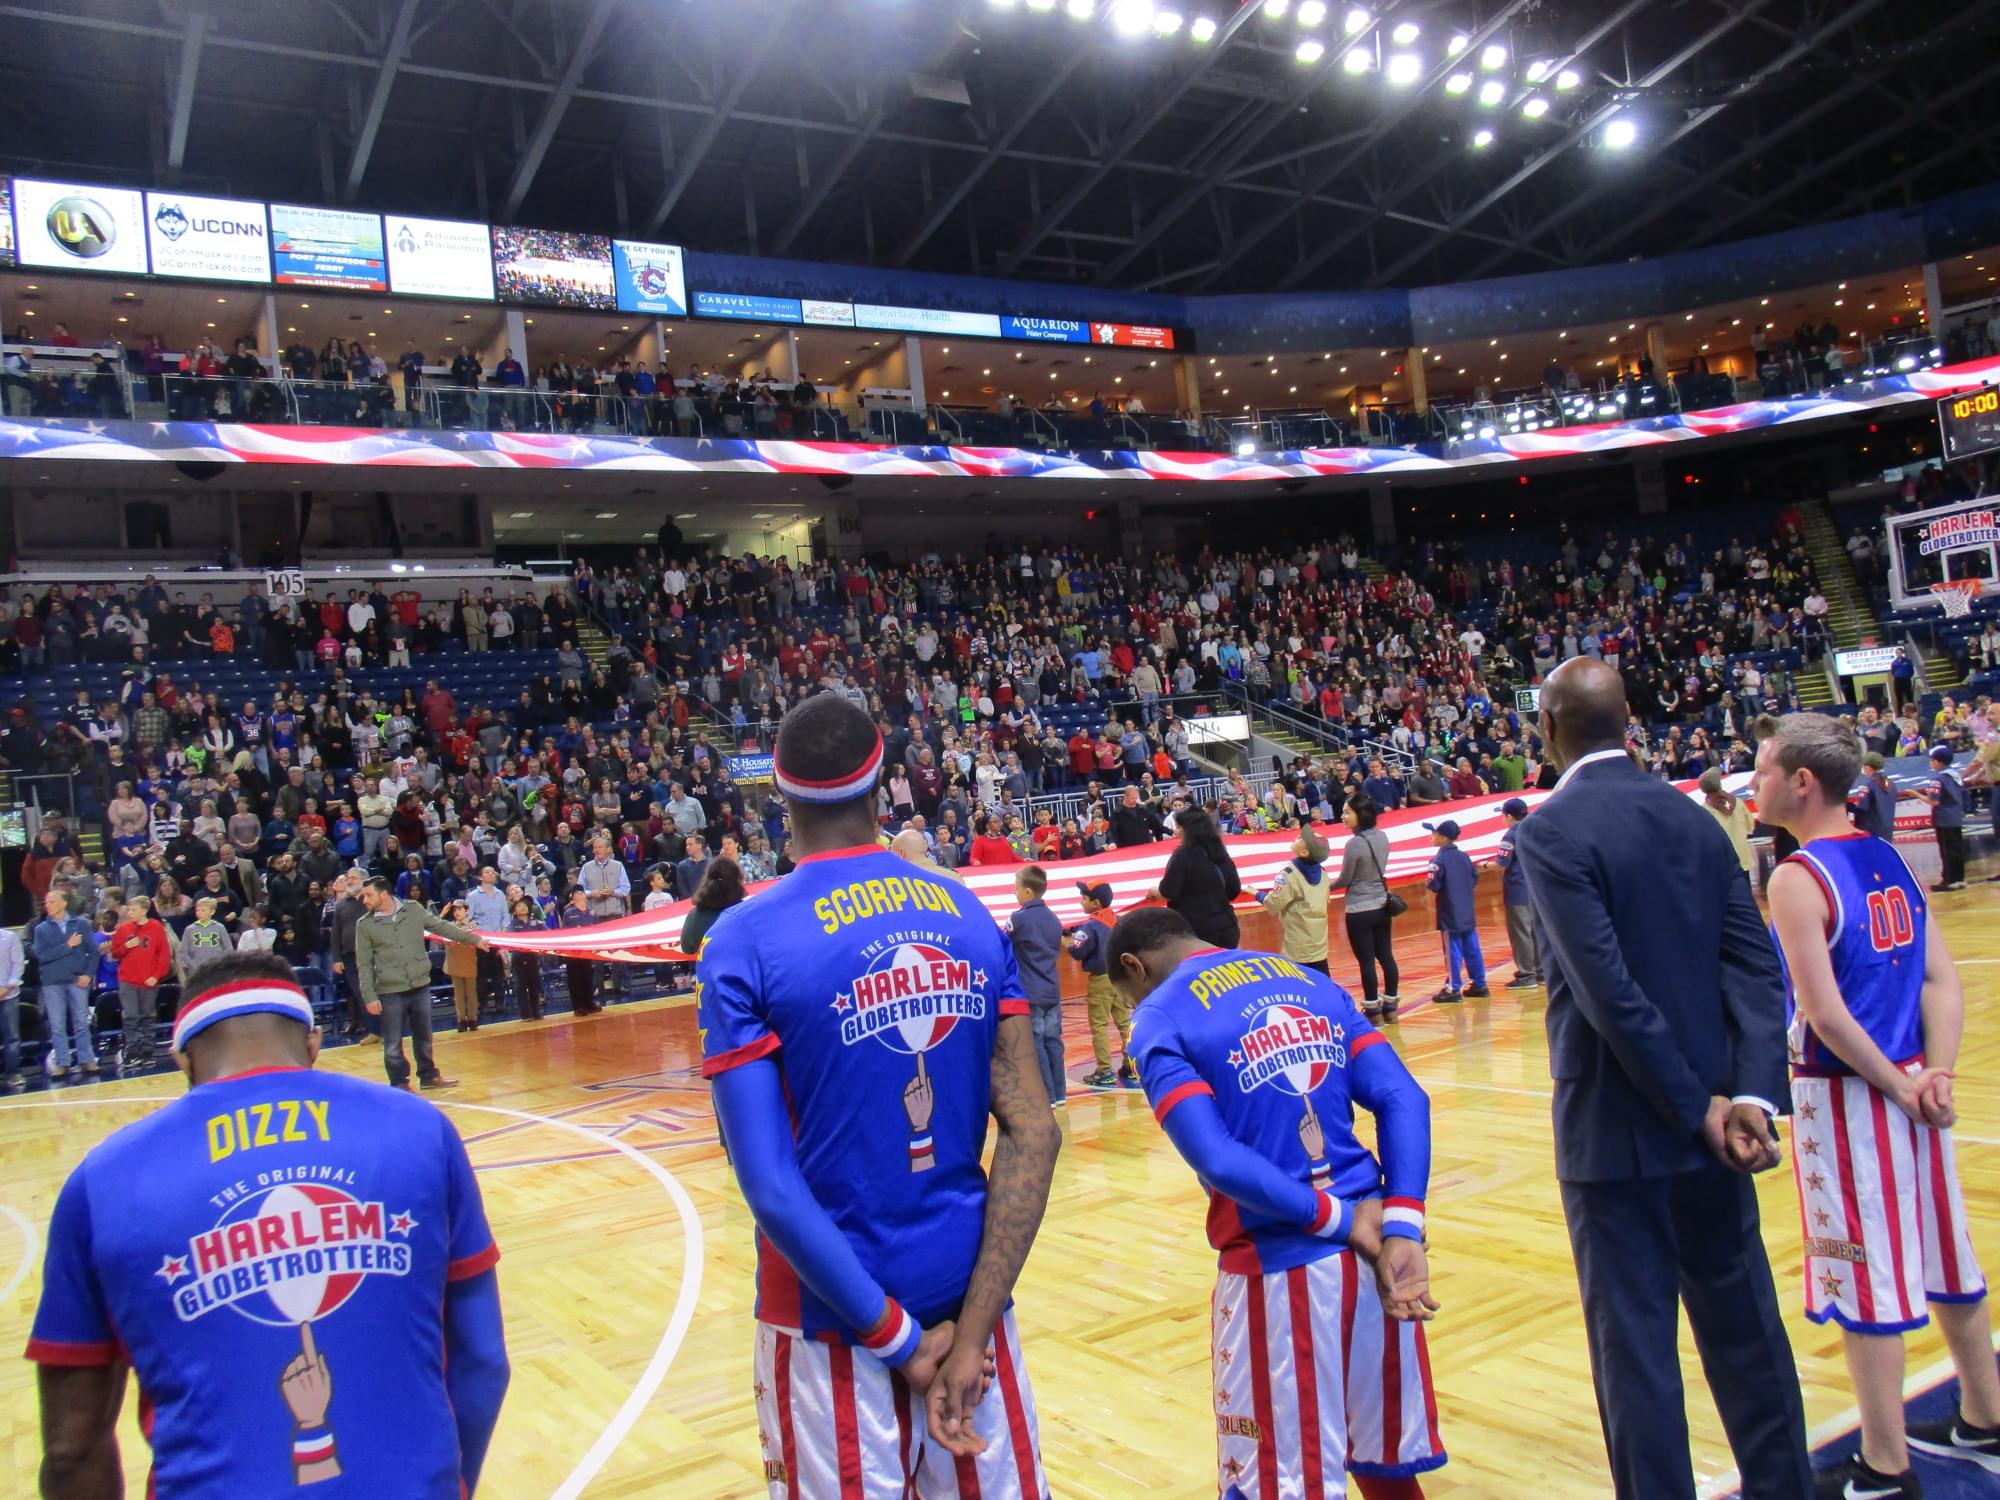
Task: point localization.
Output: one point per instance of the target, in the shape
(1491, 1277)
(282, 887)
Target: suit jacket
(1664, 987)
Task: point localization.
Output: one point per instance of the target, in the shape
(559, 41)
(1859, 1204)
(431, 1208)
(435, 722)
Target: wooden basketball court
(627, 1269)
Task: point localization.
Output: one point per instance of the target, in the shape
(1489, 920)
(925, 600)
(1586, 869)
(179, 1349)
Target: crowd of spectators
(997, 680)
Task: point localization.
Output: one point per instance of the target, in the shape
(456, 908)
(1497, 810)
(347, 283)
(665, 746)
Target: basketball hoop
(1957, 596)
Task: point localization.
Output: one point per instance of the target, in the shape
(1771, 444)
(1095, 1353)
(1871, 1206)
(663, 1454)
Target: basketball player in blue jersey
(1876, 1015)
(1253, 1064)
(295, 1266)
(859, 1022)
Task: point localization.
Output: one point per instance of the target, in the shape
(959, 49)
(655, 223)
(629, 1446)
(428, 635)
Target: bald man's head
(1583, 709)
(910, 845)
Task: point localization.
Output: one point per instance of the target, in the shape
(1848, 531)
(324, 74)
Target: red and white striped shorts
(838, 1424)
(1313, 1379)
(1879, 1208)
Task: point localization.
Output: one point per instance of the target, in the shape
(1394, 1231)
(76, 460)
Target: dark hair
(721, 885)
(1365, 809)
(1145, 929)
(377, 883)
(1198, 828)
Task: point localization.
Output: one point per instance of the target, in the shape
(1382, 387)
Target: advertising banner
(650, 278)
(1046, 330)
(927, 320)
(745, 306)
(70, 227)
(328, 247)
(208, 239)
(439, 258)
(6, 221)
(1132, 335)
(829, 314)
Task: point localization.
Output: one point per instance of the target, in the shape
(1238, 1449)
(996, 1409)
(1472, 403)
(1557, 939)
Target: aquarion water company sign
(1967, 528)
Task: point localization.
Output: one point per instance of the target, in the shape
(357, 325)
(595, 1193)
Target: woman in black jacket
(1201, 880)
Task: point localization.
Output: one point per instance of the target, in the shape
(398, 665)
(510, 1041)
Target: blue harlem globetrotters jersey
(858, 975)
(1276, 1045)
(197, 1242)
(1876, 937)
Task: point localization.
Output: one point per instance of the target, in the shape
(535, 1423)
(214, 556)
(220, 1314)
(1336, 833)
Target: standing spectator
(1200, 880)
(145, 955)
(1454, 878)
(204, 940)
(580, 973)
(394, 966)
(13, 964)
(461, 967)
(1134, 822)
(1298, 901)
(348, 911)
(690, 871)
(1874, 811)
(1946, 796)
(605, 884)
(1037, 937)
(486, 908)
(1519, 904)
(1090, 946)
(1370, 908)
(65, 960)
(720, 888)
(527, 917)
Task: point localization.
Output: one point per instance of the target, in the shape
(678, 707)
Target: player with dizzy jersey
(859, 1023)
(295, 1265)
(1876, 1016)
(1253, 1064)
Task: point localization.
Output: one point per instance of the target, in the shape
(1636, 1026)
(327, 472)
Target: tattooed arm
(1017, 1190)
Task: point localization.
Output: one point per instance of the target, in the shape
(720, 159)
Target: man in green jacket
(393, 966)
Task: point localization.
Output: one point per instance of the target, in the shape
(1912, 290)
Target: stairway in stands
(1850, 614)
(595, 645)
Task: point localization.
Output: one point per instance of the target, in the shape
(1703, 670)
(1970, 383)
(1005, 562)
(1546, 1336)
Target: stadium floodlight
(1246, 447)
(1166, 22)
(1494, 57)
(1041, 4)
(1358, 60)
(1568, 79)
(1492, 93)
(1311, 50)
(1906, 363)
(1312, 12)
(1481, 139)
(1489, 433)
(1405, 33)
(1620, 132)
(1357, 20)
(1202, 29)
(1080, 10)
(1458, 83)
(1459, 42)
(1538, 69)
(1404, 69)
(1131, 17)
(1535, 107)
(1001, 4)
(1276, 9)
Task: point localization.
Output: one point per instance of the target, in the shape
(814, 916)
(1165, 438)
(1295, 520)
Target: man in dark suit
(1667, 1043)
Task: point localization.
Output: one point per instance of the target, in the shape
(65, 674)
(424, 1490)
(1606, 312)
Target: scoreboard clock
(1969, 422)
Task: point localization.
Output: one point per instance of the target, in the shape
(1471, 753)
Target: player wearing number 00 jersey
(294, 1265)
(1253, 1064)
(860, 1022)
(1875, 1017)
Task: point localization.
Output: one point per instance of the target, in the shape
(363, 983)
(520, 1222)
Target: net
(1957, 595)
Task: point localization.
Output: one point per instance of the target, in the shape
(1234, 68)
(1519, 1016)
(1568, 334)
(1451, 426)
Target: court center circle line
(655, 1374)
(27, 1231)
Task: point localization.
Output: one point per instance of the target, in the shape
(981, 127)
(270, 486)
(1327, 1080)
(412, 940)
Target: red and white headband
(856, 783)
(248, 997)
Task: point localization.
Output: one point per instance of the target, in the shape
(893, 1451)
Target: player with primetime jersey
(295, 1265)
(859, 1022)
(1253, 1064)
(1876, 1016)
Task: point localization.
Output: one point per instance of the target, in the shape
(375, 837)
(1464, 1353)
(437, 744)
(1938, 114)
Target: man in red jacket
(144, 954)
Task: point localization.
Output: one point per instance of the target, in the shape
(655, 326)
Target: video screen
(555, 267)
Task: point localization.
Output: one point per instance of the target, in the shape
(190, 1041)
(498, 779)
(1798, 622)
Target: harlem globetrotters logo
(911, 997)
(285, 1257)
(1292, 1050)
